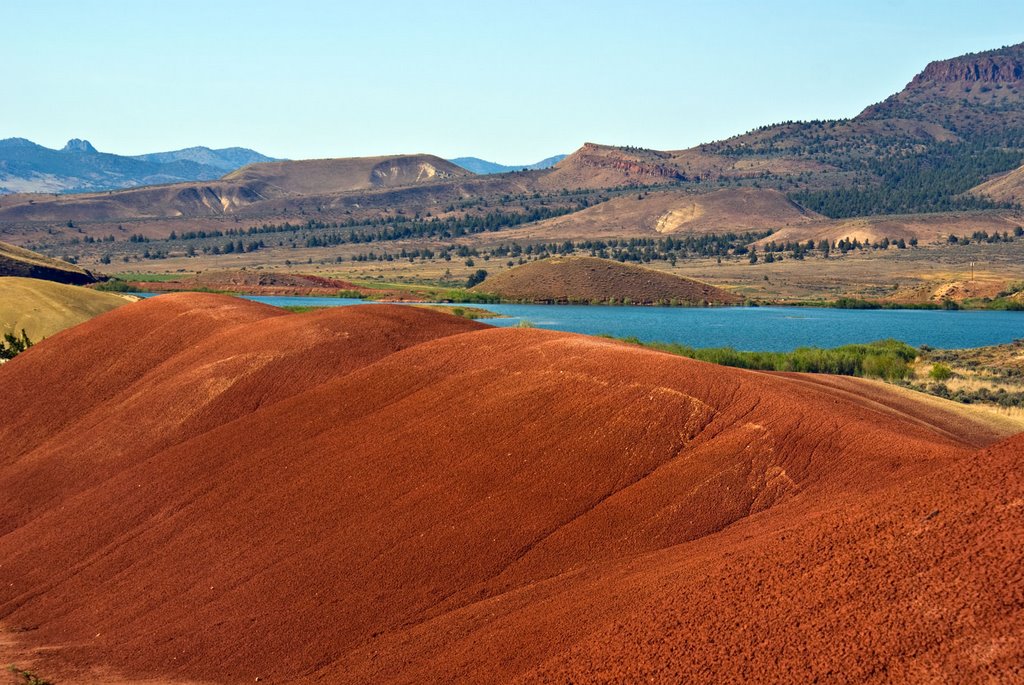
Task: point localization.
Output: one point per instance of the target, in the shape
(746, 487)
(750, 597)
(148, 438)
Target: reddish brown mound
(589, 279)
(233, 356)
(918, 583)
(386, 494)
(601, 166)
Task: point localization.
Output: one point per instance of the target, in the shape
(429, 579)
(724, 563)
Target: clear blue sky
(508, 81)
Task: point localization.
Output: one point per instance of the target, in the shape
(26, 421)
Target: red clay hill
(202, 489)
(590, 279)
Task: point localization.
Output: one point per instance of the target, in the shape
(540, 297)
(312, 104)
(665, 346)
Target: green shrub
(940, 372)
(11, 345)
(854, 303)
(25, 677)
(888, 359)
(114, 286)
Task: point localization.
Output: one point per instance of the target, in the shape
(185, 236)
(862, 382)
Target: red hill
(204, 489)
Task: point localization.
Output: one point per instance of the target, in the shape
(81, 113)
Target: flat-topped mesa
(313, 176)
(973, 94)
(635, 161)
(1000, 66)
(599, 166)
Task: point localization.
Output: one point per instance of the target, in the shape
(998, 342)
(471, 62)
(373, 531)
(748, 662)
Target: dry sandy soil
(202, 489)
(1007, 187)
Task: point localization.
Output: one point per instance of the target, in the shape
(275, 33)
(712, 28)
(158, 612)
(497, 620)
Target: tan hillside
(200, 199)
(17, 261)
(324, 176)
(589, 279)
(926, 228)
(668, 213)
(269, 188)
(43, 308)
(1008, 187)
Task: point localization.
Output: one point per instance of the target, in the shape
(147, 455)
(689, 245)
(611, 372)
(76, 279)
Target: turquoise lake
(751, 328)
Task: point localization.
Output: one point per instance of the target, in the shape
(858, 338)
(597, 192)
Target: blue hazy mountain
(26, 167)
(228, 158)
(482, 166)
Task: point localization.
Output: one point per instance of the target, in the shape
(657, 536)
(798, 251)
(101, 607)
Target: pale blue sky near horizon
(511, 82)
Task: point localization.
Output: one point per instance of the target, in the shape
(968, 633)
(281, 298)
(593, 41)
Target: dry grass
(1008, 187)
(43, 308)
(661, 214)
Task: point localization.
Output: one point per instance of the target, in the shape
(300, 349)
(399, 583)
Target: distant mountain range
(482, 166)
(951, 142)
(26, 167)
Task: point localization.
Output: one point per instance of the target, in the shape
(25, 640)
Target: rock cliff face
(980, 93)
(999, 67)
(635, 162)
(596, 166)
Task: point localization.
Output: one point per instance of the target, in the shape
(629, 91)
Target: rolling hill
(17, 261)
(668, 213)
(926, 228)
(180, 200)
(43, 308)
(319, 176)
(262, 188)
(1008, 187)
(911, 159)
(26, 167)
(385, 494)
(602, 166)
(227, 159)
(592, 280)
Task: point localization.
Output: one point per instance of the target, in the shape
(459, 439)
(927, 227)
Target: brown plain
(202, 489)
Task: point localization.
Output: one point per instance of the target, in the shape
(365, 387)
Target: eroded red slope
(383, 493)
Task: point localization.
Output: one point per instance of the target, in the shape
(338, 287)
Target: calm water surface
(750, 328)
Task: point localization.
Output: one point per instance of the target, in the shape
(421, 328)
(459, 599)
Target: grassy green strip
(888, 359)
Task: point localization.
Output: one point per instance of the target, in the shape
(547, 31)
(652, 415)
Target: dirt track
(206, 489)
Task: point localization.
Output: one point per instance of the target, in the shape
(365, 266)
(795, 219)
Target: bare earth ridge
(203, 489)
